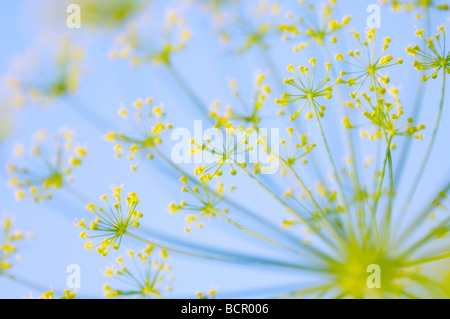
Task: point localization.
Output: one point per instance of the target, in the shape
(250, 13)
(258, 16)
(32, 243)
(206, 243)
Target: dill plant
(352, 219)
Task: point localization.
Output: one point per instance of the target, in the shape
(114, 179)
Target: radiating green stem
(407, 146)
(391, 193)
(350, 142)
(310, 195)
(216, 251)
(272, 69)
(293, 211)
(378, 194)
(214, 258)
(430, 147)
(188, 91)
(416, 110)
(232, 222)
(330, 157)
(421, 217)
(278, 80)
(428, 259)
(89, 114)
(232, 203)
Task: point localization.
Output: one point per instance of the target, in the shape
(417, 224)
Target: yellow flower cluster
(294, 152)
(367, 63)
(47, 80)
(139, 46)
(232, 151)
(148, 121)
(314, 27)
(208, 200)
(111, 223)
(434, 58)
(145, 279)
(250, 117)
(8, 244)
(384, 115)
(238, 34)
(308, 90)
(410, 5)
(50, 166)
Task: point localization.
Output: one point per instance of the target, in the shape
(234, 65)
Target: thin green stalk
(292, 210)
(210, 257)
(272, 69)
(350, 141)
(310, 195)
(406, 148)
(378, 194)
(218, 255)
(232, 222)
(416, 110)
(427, 260)
(430, 146)
(421, 217)
(230, 202)
(330, 157)
(391, 193)
(188, 91)
(216, 251)
(278, 80)
(89, 114)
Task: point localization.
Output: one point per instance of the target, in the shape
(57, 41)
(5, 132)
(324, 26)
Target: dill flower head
(241, 30)
(67, 294)
(109, 13)
(219, 151)
(46, 76)
(207, 201)
(147, 121)
(140, 46)
(398, 251)
(148, 277)
(53, 159)
(367, 63)
(410, 5)
(434, 57)
(309, 91)
(8, 244)
(111, 223)
(384, 115)
(250, 114)
(314, 27)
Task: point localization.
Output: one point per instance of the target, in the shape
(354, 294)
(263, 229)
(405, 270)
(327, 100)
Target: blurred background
(32, 32)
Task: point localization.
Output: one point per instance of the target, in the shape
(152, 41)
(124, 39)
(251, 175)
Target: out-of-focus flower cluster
(9, 240)
(143, 42)
(45, 166)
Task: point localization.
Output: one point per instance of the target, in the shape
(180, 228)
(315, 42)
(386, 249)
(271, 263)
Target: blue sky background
(109, 83)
